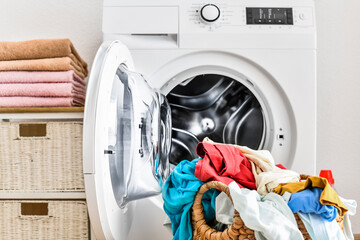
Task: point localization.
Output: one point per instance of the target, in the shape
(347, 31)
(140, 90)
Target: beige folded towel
(41, 49)
(46, 64)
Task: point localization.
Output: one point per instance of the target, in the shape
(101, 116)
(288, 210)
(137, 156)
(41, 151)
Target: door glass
(139, 136)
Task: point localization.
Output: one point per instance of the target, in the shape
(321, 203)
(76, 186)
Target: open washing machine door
(126, 141)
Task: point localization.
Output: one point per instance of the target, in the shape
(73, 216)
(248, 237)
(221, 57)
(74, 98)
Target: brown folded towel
(46, 64)
(41, 48)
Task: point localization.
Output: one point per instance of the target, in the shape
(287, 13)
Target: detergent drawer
(43, 219)
(41, 156)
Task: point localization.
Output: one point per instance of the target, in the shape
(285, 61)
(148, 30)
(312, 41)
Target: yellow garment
(328, 196)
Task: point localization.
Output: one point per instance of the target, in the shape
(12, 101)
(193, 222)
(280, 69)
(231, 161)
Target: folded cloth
(41, 48)
(320, 229)
(267, 175)
(41, 101)
(268, 215)
(43, 89)
(40, 77)
(307, 201)
(44, 64)
(223, 163)
(179, 193)
(328, 195)
(351, 205)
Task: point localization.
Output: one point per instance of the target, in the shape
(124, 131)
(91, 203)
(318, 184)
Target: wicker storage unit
(43, 220)
(41, 156)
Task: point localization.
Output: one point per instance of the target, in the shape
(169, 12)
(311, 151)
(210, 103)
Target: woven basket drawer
(41, 156)
(43, 220)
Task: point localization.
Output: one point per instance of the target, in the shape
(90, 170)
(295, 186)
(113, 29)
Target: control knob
(209, 13)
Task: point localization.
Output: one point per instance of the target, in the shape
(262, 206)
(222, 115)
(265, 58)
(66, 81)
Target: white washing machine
(171, 72)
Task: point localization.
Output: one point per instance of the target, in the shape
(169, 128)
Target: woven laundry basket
(43, 220)
(41, 156)
(237, 230)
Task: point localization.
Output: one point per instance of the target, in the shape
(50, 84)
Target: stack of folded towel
(41, 73)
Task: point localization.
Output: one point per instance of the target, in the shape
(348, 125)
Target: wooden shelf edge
(41, 109)
(5, 195)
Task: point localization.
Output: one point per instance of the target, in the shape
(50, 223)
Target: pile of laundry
(265, 195)
(41, 73)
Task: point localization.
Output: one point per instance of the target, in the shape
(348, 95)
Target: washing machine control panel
(213, 16)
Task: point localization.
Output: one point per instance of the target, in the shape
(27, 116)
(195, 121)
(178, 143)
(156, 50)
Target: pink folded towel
(41, 101)
(42, 89)
(40, 77)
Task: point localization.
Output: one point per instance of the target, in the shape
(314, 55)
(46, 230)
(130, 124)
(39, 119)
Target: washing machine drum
(217, 107)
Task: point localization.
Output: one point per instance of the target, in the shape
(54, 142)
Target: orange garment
(328, 195)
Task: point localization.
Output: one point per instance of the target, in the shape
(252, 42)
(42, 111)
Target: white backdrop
(338, 134)
(338, 88)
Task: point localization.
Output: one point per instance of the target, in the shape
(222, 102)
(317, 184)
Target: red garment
(224, 163)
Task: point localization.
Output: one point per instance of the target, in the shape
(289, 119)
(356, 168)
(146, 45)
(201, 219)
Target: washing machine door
(126, 141)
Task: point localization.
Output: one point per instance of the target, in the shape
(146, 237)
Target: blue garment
(307, 201)
(179, 193)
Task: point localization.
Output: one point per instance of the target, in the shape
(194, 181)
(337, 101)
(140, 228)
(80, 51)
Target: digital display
(269, 16)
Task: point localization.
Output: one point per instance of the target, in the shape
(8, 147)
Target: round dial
(210, 13)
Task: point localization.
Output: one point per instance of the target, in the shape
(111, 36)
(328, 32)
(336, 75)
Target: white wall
(338, 135)
(79, 20)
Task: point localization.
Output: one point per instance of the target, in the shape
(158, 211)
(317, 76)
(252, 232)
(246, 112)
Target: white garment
(320, 229)
(262, 158)
(269, 216)
(267, 175)
(267, 181)
(224, 209)
(351, 205)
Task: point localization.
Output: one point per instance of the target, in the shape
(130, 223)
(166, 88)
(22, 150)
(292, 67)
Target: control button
(279, 21)
(210, 13)
(302, 16)
(270, 21)
(259, 21)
